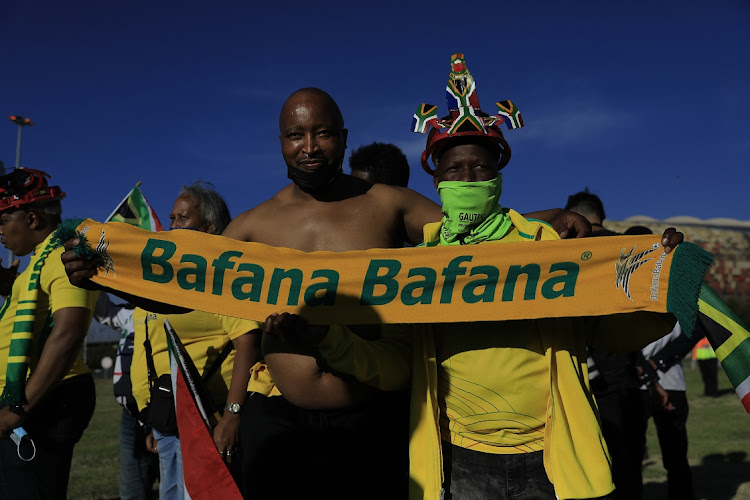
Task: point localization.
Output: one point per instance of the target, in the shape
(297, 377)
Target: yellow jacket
(575, 454)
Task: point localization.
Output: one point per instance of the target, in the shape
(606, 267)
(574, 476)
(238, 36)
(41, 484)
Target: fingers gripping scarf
(471, 212)
(23, 327)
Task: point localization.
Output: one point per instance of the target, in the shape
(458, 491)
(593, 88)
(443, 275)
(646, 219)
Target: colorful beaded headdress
(466, 118)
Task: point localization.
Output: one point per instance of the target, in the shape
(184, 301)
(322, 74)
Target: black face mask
(311, 182)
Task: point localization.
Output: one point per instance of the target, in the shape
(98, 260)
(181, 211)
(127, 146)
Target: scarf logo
(628, 264)
(101, 251)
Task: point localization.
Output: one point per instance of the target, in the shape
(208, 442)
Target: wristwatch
(17, 409)
(233, 408)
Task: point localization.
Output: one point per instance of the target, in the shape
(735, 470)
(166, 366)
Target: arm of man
(567, 224)
(383, 363)
(247, 353)
(417, 211)
(380, 359)
(237, 229)
(80, 271)
(71, 310)
(59, 354)
(674, 351)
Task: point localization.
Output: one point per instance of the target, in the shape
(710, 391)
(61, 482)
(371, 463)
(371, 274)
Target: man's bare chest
(337, 227)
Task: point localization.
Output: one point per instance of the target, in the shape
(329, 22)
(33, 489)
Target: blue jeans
(472, 475)
(138, 468)
(171, 482)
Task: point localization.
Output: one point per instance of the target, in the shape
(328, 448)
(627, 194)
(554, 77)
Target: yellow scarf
(586, 277)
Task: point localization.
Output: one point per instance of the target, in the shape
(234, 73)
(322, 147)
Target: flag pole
(123, 201)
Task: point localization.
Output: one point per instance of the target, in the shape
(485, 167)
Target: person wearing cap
(503, 404)
(47, 389)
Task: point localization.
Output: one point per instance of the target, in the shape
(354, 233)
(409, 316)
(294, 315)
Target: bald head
(313, 139)
(311, 98)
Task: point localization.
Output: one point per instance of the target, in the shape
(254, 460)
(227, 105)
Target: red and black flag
(205, 474)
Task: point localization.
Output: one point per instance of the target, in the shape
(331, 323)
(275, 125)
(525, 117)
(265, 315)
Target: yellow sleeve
(235, 327)
(138, 366)
(384, 363)
(532, 229)
(61, 293)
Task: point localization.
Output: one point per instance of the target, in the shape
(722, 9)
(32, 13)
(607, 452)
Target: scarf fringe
(14, 393)
(23, 328)
(689, 265)
(66, 231)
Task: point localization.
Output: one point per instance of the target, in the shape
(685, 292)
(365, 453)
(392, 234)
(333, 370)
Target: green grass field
(718, 430)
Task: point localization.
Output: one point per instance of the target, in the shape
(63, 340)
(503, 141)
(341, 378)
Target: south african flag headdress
(466, 118)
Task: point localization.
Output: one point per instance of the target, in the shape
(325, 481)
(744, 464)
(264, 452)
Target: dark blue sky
(647, 103)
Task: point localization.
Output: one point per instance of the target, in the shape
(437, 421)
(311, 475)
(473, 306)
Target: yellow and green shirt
(55, 293)
(204, 335)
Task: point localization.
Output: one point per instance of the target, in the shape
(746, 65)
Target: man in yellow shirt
(502, 410)
(43, 324)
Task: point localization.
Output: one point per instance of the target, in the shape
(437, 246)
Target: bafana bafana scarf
(583, 277)
(23, 328)
(593, 276)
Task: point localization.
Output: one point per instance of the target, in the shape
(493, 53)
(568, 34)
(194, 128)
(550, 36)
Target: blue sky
(646, 103)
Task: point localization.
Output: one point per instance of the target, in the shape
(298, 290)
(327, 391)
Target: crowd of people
(455, 410)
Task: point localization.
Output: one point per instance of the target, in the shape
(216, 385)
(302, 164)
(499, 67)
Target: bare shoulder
(251, 222)
(396, 194)
(414, 210)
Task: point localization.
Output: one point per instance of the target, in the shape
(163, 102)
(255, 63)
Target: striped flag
(205, 474)
(136, 210)
(728, 337)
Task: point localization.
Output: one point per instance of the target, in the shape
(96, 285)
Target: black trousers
(55, 426)
(289, 452)
(709, 373)
(673, 441)
(624, 429)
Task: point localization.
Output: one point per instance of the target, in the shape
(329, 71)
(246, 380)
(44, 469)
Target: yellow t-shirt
(495, 398)
(55, 293)
(204, 336)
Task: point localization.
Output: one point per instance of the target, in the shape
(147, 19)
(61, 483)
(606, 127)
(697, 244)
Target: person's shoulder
(241, 226)
(53, 264)
(531, 229)
(394, 192)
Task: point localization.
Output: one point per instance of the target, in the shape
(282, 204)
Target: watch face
(233, 408)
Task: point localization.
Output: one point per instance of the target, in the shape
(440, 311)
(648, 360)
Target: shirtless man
(333, 433)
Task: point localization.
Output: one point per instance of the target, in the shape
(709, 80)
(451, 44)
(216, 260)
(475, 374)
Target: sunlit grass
(718, 433)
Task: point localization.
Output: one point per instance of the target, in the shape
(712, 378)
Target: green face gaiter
(471, 212)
